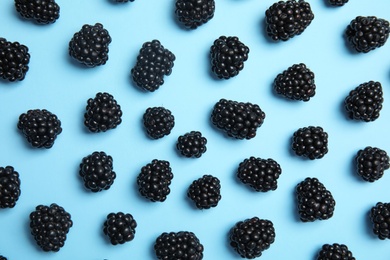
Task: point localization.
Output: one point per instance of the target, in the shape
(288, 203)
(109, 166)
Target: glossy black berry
(380, 218)
(9, 187)
(337, 2)
(50, 226)
(97, 172)
(41, 11)
(158, 122)
(249, 238)
(3, 257)
(192, 144)
(153, 63)
(371, 162)
(119, 227)
(154, 180)
(310, 142)
(14, 60)
(205, 192)
(335, 252)
(40, 127)
(194, 13)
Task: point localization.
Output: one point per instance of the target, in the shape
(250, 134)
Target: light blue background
(58, 84)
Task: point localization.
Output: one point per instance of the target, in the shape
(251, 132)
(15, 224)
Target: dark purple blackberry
(314, 201)
(3, 257)
(158, 122)
(260, 174)
(380, 218)
(364, 103)
(371, 162)
(154, 179)
(228, 55)
(286, 19)
(41, 11)
(310, 142)
(335, 251)
(153, 63)
(296, 83)
(194, 13)
(97, 171)
(9, 187)
(249, 238)
(337, 2)
(205, 192)
(14, 60)
(102, 113)
(119, 227)
(237, 119)
(49, 226)
(182, 245)
(89, 46)
(192, 144)
(40, 127)
(366, 33)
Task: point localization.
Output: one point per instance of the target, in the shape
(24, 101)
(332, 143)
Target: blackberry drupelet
(227, 55)
(260, 174)
(119, 227)
(364, 103)
(249, 238)
(40, 127)
(9, 187)
(14, 60)
(194, 13)
(205, 192)
(314, 201)
(337, 2)
(380, 218)
(49, 226)
(89, 46)
(153, 63)
(237, 119)
(154, 179)
(296, 83)
(371, 162)
(102, 113)
(182, 245)
(41, 11)
(310, 142)
(97, 172)
(286, 19)
(158, 122)
(335, 251)
(192, 144)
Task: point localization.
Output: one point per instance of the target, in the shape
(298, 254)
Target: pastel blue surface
(56, 83)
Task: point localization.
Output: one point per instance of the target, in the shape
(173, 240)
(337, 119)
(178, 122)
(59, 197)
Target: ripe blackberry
(380, 218)
(9, 187)
(337, 2)
(97, 171)
(366, 33)
(371, 162)
(154, 179)
(158, 122)
(335, 251)
(205, 192)
(364, 103)
(286, 19)
(49, 226)
(237, 119)
(310, 142)
(102, 113)
(178, 245)
(89, 46)
(314, 201)
(296, 83)
(3, 257)
(14, 60)
(228, 55)
(192, 144)
(194, 13)
(249, 238)
(40, 127)
(41, 11)
(153, 63)
(119, 227)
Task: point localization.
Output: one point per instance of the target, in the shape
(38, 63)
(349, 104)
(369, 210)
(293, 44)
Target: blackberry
(102, 113)
(182, 245)
(153, 63)
(260, 174)
(335, 251)
(41, 11)
(314, 201)
(9, 187)
(192, 144)
(158, 122)
(97, 171)
(337, 2)
(249, 238)
(89, 46)
(119, 227)
(49, 226)
(205, 192)
(310, 142)
(3, 257)
(40, 127)
(154, 179)
(286, 19)
(14, 60)
(237, 119)
(364, 103)
(296, 83)
(371, 162)
(228, 55)
(194, 13)
(380, 218)
(366, 33)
